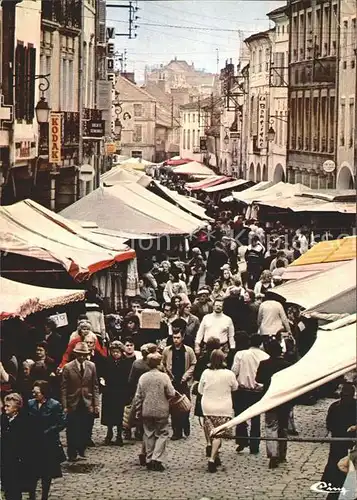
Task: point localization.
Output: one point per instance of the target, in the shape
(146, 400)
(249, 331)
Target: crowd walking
(220, 337)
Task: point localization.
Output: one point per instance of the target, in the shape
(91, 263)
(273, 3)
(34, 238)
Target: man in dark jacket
(254, 257)
(56, 345)
(216, 259)
(276, 420)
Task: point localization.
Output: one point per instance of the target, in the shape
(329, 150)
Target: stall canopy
(331, 291)
(193, 168)
(261, 186)
(277, 191)
(332, 355)
(129, 207)
(136, 164)
(176, 162)
(321, 257)
(183, 202)
(20, 299)
(329, 251)
(28, 230)
(214, 180)
(120, 174)
(226, 185)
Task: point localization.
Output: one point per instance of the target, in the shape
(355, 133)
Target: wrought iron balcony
(67, 13)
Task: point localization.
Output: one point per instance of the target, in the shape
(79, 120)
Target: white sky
(160, 44)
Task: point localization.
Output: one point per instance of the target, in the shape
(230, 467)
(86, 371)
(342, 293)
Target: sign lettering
(55, 127)
(110, 33)
(262, 122)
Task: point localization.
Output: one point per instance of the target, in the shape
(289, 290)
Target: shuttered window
(25, 70)
(20, 81)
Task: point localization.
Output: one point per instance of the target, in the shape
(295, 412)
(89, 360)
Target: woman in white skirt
(216, 386)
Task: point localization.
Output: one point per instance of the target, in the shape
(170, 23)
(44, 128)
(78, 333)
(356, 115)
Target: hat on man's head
(203, 291)
(81, 348)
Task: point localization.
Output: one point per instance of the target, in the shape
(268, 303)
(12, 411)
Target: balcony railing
(323, 145)
(315, 143)
(331, 148)
(299, 143)
(67, 13)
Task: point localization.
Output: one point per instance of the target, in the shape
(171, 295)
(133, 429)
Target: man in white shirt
(271, 317)
(217, 325)
(245, 366)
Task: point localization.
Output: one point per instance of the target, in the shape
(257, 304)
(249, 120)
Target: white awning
(331, 291)
(332, 355)
(225, 186)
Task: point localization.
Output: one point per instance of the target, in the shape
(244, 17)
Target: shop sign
(261, 121)
(96, 128)
(25, 150)
(110, 54)
(55, 142)
(329, 166)
(60, 319)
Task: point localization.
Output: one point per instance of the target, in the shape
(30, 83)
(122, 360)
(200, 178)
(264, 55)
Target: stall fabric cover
(118, 208)
(299, 203)
(176, 162)
(225, 185)
(329, 251)
(136, 164)
(209, 181)
(119, 174)
(40, 238)
(299, 272)
(184, 202)
(277, 191)
(261, 186)
(332, 291)
(117, 243)
(193, 168)
(20, 299)
(332, 355)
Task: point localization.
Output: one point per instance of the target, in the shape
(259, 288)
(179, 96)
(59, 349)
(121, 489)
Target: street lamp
(42, 110)
(226, 139)
(271, 134)
(118, 127)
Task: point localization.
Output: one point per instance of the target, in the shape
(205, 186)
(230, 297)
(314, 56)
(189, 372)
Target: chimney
(129, 76)
(161, 84)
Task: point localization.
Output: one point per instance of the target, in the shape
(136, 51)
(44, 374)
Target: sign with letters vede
(55, 142)
(96, 128)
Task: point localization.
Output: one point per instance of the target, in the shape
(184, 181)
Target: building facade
(347, 98)
(138, 117)
(258, 102)
(193, 123)
(278, 95)
(50, 53)
(313, 92)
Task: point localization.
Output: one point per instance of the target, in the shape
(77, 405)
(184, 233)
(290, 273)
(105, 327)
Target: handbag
(180, 403)
(130, 417)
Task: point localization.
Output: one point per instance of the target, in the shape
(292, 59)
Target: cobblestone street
(112, 473)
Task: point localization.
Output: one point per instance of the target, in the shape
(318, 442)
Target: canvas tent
(193, 168)
(183, 202)
(321, 257)
(331, 291)
(241, 195)
(119, 174)
(20, 299)
(332, 355)
(28, 230)
(129, 207)
(277, 191)
(205, 183)
(225, 185)
(136, 164)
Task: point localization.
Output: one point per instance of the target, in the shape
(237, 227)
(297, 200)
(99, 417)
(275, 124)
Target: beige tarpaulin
(332, 355)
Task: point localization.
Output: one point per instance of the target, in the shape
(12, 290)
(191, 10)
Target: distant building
(150, 127)
(178, 74)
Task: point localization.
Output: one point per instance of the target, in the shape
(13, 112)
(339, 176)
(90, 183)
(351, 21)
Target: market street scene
(178, 250)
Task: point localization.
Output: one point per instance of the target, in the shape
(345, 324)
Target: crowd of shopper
(221, 331)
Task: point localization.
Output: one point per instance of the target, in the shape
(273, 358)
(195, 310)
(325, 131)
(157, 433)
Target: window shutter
(30, 80)
(20, 76)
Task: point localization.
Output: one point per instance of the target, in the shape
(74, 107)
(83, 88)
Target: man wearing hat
(80, 399)
(202, 304)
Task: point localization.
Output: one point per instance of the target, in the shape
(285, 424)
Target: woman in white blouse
(216, 386)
